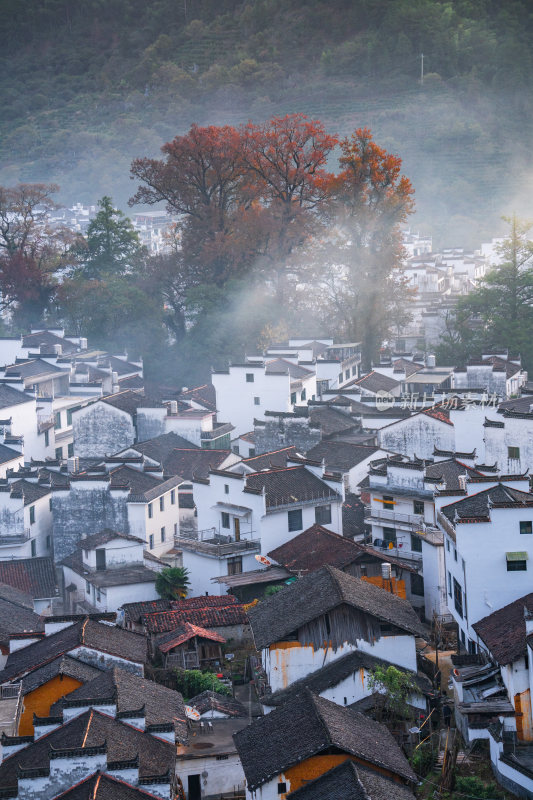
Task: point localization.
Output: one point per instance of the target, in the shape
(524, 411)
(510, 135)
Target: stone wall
(278, 432)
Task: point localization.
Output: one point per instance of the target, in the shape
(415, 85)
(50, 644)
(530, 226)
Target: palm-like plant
(172, 583)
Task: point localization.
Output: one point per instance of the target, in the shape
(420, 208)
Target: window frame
(250, 377)
(225, 521)
(327, 513)
(297, 514)
(527, 522)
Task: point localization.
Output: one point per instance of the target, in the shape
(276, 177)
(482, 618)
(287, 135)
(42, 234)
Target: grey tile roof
(477, 506)
(213, 701)
(8, 454)
(307, 725)
(313, 548)
(161, 704)
(92, 634)
(351, 781)
(34, 576)
(375, 382)
(449, 471)
(127, 575)
(31, 492)
(193, 462)
(277, 365)
(331, 420)
(204, 395)
(12, 397)
(62, 665)
(32, 368)
(104, 536)
(14, 595)
(130, 400)
(105, 787)
(91, 729)
(341, 455)
(161, 447)
(48, 338)
(319, 592)
(274, 458)
(15, 618)
(289, 486)
(504, 631)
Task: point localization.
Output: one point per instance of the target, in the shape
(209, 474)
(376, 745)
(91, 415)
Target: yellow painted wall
(42, 699)
(397, 586)
(315, 766)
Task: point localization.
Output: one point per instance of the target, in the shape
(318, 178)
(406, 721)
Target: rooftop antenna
(421, 69)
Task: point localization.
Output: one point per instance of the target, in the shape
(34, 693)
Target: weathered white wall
(235, 396)
(222, 776)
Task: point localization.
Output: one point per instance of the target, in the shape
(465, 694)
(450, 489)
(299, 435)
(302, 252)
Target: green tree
(394, 687)
(112, 245)
(172, 583)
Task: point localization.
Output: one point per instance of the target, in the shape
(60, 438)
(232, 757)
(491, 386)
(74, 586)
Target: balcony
(10, 708)
(399, 520)
(212, 543)
(8, 540)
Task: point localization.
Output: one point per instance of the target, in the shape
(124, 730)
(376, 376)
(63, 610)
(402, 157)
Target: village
(337, 617)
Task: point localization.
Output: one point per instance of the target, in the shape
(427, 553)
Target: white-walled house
(107, 570)
(240, 516)
(488, 546)
(25, 517)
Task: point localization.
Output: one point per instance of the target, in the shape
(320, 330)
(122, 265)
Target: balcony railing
(10, 691)
(10, 539)
(212, 543)
(383, 514)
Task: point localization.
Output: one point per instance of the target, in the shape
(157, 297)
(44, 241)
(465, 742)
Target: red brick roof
(215, 612)
(313, 548)
(186, 632)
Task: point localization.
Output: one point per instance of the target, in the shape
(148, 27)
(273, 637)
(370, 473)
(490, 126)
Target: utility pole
(421, 69)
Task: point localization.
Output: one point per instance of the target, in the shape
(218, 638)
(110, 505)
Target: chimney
(73, 465)
(173, 410)
(58, 349)
(431, 360)
(83, 344)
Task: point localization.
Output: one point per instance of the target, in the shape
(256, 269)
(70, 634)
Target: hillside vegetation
(86, 87)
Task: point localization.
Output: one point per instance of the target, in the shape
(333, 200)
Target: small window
(33, 548)
(346, 374)
(249, 377)
(173, 497)
(86, 554)
(151, 541)
(463, 638)
(257, 401)
(70, 449)
(251, 452)
(417, 584)
(57, 420)
(235, 565)
(388, 502)
(150, 511)
(59, 453)
(175, 529)
(225, 519)
(161, 503)
(293, 398)
(98, 596)
(50, 504)
(87, 587)
(163, 534)
(226, 488)
(303, 394)
(323, 515)
(46, 439)
(449, 583)
(418, 507)
(295, 519)
(235, 449)
(448, 545)
(526, 526)
(69, 416)
(416, 544)
(513, 453)
(455, 554)
(282, 788)
(458, 597)
(49, 542)
(32, 515)
(340, 377)
(517, 566)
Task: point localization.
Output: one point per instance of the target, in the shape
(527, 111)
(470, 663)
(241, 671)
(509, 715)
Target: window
(251, 452)
(249, 377)
(463, 638)
(226, 488)
(70, 449)
(50, 504)
(69, 416)
(516, 565)
(46, 439)
(295, 519)
(86, 554)
(225, 519)
(150, 511)
(293, 398)
(87, 587)
(389, 535)
(388, 502)
(416, 544)
(513, 453)
(340, 377)
(303, 394)
(175, 529)
(458, 597)
(100, 558)
(49, 542)
(163, 534)
(282, 788)
(173, 497)
(235, 565)
(449, 583)
(455, 553)
(472, 649)
(98, 596)
(57, 420)
(346, 374)
(526, 526)
(33, 548)
(59, 453)
(417, 584)
(161, 503)
(32, 515)
(151, 541)
(448, 545)
(323, 515)
(418, 507)
(257, 401)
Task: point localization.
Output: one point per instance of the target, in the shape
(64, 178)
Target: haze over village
(266, 422)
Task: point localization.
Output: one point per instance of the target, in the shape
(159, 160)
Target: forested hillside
(86, 87)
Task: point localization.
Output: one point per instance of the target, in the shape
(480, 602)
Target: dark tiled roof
(313, 548)
(319, 592)
(277, 365)
(15, 618)
(353, 515)
(94, 635)
(14, 595)
(130, 400)
(477, 506)
(307, 725)
(8, 454)
(275, 458)
(290, 485)
(450, 470)
(141, 484)
(201, 395)
(12, 397)
(504, 631)
(375, 382)
(134, 611)
(35, 576)
(63, 665)
(340, 455)
(104, 536)
(193, 462)
(118, 365)
(213, 701)
(32, 368)
(31, 492)
(105, 787)
(351, 781)
(127, 575)
(48, 338)
(161, 704)
(162, 446)
(404, 365)
(331, 420)
(91, 729)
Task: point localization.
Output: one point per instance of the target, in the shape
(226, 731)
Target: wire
(454, 792)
